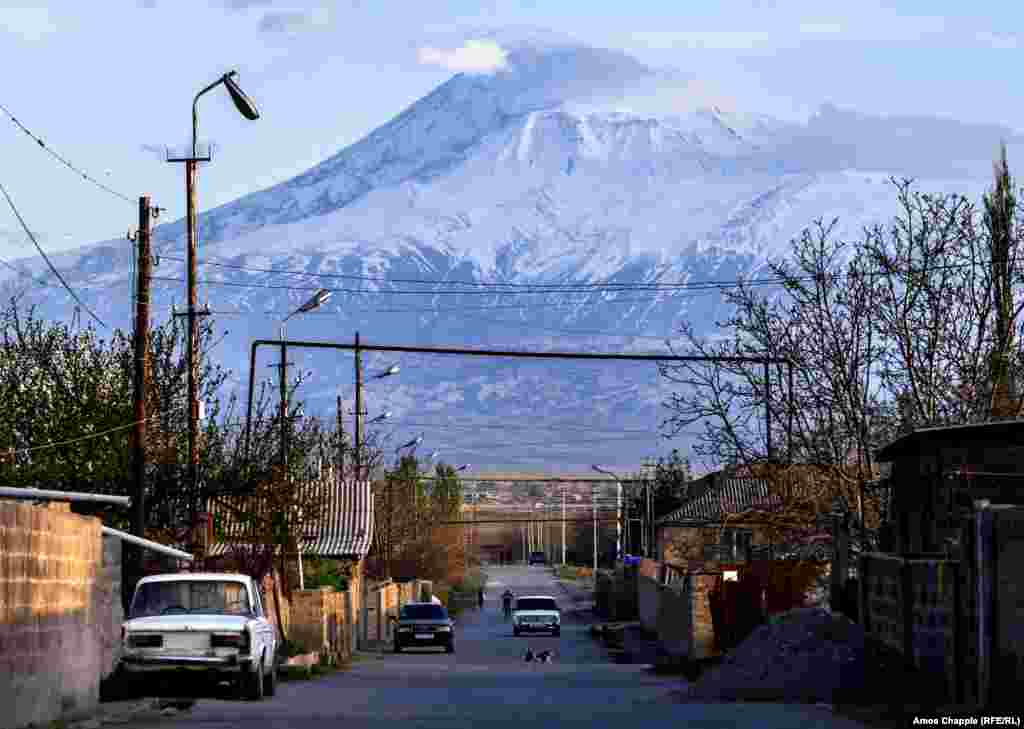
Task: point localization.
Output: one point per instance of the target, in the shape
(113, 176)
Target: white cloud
(30, 24)
(475, 56)
(1006, 41)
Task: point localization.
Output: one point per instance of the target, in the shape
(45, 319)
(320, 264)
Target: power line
(63, 161)
(47, 259)
(512, 286)
(84, 437)
(407, 311)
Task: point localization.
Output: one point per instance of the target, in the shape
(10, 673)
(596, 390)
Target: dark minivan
(423, 624)
(538, 558)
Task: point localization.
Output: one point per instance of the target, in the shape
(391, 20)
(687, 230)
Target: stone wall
(51, 576)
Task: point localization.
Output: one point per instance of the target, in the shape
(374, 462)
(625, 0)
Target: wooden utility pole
(191, 170)
(359, 410)
(141, 380)
(284, 407)
(141, 374)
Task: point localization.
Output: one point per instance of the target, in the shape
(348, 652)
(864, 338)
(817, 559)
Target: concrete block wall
(51, 653)
(648, 599)
(109, 607)
(673, 622)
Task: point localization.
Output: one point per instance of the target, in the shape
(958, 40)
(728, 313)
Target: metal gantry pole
(593, 500)
(618, 519)
(563, 526)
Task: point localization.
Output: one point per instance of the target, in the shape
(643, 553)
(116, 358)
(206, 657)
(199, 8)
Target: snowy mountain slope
(553, 170)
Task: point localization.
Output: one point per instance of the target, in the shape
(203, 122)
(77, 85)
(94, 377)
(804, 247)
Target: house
(341, 530)
(701, 529)
(711, 525)
(937, 473)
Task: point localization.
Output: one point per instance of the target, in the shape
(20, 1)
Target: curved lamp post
(246, 108)
(618, 509)
(316, 300)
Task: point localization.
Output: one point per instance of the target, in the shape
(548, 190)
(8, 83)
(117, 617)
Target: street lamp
(411, 444)
(392, 370)
(246, 108)
(618, 510)
(315, 301)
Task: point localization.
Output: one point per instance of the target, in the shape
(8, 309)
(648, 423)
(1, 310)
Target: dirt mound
(809, 654)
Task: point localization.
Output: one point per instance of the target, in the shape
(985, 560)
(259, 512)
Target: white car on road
(198, 629)
(536, 614)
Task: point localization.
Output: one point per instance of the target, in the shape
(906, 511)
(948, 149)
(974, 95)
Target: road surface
(485, 683)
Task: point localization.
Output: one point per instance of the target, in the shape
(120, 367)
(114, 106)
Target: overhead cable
(47, 259)
(62, 160)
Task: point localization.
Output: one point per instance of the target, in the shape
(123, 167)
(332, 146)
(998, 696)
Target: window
(536, 603)
(736, 542)
(191, 596)
(423, 612)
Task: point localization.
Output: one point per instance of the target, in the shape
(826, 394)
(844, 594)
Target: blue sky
(103, 83)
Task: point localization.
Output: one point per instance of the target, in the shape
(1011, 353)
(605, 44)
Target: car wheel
(270, 681)
(556, 632)
(398, 646)
(252, 683)
(450, 648)
(515, 631)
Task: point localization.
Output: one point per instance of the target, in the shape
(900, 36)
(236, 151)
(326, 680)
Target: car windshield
(423, 612)
(191, 596)
(536, 603)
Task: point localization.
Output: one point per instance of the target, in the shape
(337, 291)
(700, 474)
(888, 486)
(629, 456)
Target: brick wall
(51, 652)
(703, 627)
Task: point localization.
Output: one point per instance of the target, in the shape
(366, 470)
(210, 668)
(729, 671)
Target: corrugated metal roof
(729, 495)
(344, 527)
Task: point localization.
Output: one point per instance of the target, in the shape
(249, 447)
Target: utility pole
(283, 366)
(359, 411)
(141, 378)
(593, 500)
(192, 345)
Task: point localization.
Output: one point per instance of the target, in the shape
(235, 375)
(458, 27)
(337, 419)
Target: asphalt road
(486, 683)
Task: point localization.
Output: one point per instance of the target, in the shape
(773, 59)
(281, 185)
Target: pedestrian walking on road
(480, 596)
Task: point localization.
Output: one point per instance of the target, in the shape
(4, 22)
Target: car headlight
(444, 629)
(405, 629)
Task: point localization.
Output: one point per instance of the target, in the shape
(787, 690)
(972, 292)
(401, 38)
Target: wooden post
(141, 379)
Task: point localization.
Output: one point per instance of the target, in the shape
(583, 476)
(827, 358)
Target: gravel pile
(807, 654)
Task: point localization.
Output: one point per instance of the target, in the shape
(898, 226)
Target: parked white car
(198, 629)
(536, 613)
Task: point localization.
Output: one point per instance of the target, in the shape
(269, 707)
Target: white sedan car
(197, 630)
(536, 613)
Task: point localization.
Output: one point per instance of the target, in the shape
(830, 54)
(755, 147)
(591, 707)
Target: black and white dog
(542, 657)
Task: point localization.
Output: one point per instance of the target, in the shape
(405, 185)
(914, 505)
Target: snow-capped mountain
(452, 223)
